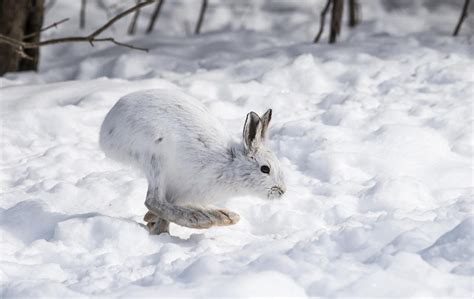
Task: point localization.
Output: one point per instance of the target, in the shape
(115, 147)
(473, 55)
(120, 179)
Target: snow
(375, 135)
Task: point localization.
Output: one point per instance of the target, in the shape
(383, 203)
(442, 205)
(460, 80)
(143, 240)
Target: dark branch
(11, 41)
(55, 24)
(462, 17)
(322, 21)
(110, 39)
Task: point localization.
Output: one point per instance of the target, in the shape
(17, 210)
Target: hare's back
(143, 120)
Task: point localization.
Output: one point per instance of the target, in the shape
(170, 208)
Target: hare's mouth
(275, 192)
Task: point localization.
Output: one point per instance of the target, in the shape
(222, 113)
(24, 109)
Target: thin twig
(154, 16)
(55, 24)
(120, 15)
(322, 21)
(22, 54)
(91, 38)
(11, 41)
(110, 39)
(201, 17)
(462, 17)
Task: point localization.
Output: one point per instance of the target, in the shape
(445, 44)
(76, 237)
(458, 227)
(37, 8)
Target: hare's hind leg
(188, 216)
(193, 217)
(156, 225)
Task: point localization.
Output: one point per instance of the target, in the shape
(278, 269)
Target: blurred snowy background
(375, 133)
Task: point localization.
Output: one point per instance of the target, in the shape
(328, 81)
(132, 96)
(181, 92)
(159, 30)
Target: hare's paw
(217, 217)
(200, 219)
(227, 217)
(150, 226)
(159, 227)
(156, 225)
(150, 217)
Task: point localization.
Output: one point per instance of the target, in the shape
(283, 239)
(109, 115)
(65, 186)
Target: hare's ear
(252, 132)
(266, 118)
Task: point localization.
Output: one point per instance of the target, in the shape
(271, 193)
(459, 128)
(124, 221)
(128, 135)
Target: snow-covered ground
(375, 134)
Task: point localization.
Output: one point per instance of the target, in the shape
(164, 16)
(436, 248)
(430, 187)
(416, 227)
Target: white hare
(189, 159)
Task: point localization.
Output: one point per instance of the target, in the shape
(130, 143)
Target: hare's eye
(265, 169)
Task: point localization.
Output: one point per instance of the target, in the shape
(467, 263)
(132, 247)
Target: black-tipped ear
(252, 132)
(266, 118)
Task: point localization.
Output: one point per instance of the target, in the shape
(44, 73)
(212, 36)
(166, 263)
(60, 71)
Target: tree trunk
(322, 20)
(336, 19)
(33, 25)
(17, 19)
(82, 15)
(155, 15)
(353, 13)
(133, 24)
(462, 17)
(201, 17)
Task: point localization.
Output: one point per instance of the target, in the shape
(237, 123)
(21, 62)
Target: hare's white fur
(188, 157)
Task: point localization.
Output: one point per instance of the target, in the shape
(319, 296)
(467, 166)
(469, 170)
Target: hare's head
(257, 166)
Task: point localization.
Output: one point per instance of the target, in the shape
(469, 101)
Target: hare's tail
(190, 216)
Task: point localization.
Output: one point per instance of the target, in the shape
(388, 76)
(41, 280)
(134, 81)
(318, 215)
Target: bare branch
(119, 16)
(201, 17)
(55, 24)
(462, 17)
(154, 16)
(22, 54)
(18, 45)
(322, 21)
(11, 41)
(110, 39)
(91, 38)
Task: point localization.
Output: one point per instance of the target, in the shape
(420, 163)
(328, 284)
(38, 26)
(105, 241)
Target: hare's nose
(279, 190)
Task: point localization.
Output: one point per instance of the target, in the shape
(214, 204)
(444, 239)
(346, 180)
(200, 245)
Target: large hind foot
(199, 218)
(206, 218)
(224, 217)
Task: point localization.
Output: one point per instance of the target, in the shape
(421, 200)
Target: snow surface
(375, 134)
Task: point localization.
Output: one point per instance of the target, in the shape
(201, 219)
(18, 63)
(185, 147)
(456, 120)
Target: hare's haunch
(188, 157)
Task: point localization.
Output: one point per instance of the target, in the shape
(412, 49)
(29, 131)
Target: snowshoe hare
(189, 159)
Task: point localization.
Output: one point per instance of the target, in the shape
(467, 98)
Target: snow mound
(456, 247)
(402, 193)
